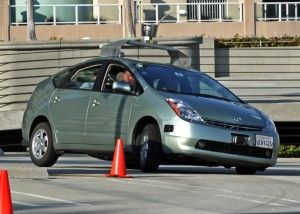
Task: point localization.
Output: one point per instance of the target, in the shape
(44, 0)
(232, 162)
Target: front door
(109, 113)
(107, 120)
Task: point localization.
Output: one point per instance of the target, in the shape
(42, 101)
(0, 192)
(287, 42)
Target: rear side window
(84, 78)
(60, 80)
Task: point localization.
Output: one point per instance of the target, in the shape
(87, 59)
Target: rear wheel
(245, 170)
(150, 150)
(41, 148)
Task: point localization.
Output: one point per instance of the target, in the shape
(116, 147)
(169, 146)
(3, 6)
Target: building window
(284, 10)
(209, 9)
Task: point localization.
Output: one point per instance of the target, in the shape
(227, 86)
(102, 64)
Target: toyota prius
(166, 114)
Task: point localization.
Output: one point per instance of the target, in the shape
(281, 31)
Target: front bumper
(219, 149)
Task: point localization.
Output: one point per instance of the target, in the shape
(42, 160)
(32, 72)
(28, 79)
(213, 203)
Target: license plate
(264, 141)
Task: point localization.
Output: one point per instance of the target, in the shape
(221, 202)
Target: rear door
(68, 105)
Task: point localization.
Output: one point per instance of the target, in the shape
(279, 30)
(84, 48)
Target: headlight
(184, 111)
(270, 123)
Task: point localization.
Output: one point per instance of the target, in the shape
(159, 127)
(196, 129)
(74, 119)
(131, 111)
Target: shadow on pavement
(78, 172)
(218, 170)
(163, 171)
(16, 161)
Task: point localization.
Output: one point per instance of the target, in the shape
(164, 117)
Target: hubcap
(40, 144)
(144, 148)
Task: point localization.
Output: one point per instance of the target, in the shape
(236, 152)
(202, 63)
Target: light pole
(149, 30)
(30, 20)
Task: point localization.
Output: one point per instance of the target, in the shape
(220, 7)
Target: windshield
(180, 81)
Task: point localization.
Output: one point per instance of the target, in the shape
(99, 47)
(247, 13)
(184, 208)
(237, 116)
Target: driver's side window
(113, 74)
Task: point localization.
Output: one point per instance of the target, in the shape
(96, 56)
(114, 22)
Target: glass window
(181, 81)
(63, 77)
(84, 79)
(209, 9)
(118, 73)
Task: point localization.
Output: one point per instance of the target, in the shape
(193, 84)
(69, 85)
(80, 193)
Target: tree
(128, 20)
(30, 21)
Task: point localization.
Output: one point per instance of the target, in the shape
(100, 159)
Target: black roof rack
(177, 58)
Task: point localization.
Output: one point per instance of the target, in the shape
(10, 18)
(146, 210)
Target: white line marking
(49, 198)
(193, 191)
(130, 182)
(226, 191)
(251, 200)
(25, 204)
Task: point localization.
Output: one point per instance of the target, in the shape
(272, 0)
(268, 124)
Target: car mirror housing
(124, 87)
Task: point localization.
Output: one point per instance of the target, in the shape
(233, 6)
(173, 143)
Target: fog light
(268, 154)
(201, 145)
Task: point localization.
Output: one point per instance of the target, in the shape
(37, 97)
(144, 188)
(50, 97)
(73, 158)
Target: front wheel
(41, 148)
(150, 151)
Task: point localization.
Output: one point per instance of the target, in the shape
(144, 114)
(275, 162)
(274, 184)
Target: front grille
(231, 148)
(232, 126)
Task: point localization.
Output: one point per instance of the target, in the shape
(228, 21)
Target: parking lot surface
(77, 184)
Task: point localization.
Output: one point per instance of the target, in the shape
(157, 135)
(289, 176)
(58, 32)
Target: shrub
(241, 42)
(288, 151)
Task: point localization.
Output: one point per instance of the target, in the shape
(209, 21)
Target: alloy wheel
(40, 144)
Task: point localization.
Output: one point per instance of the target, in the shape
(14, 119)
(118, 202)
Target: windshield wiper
(212, 96)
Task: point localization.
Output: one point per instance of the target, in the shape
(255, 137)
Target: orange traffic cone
(118, 168)
(5, 196)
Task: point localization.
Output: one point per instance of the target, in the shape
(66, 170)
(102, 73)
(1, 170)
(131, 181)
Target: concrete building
(103, 19)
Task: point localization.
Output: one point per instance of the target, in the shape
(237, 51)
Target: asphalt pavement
(77, 184)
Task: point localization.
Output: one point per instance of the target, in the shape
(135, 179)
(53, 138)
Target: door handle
(95, 103)
(56, 99)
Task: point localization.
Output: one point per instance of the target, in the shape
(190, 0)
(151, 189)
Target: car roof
(127, 61)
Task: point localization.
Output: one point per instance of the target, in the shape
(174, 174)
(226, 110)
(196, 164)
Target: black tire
(41, 148)
(245, 170)
(150, 148)
(132, 164)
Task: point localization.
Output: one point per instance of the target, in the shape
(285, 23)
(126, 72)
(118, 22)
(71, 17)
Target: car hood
(222, 110)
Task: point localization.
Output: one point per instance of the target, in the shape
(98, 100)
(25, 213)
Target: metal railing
(68, 14)
(196, 12)
(278, 11)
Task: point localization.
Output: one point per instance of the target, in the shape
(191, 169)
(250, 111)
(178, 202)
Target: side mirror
(124, 87)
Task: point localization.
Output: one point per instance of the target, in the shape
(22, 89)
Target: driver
(126, 76)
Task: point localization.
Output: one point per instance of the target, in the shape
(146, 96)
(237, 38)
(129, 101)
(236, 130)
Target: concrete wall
(23, 65)
(69, 32)
(4, 21)
(165, 30)
(207, 29)
(268, 78)
(272, 29)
